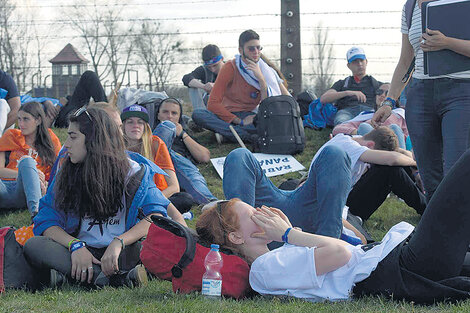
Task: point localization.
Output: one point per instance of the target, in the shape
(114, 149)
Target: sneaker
(219, 138)
(57, 279)
(137, 276)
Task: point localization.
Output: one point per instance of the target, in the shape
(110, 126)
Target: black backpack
(279, 126)
(15, 271)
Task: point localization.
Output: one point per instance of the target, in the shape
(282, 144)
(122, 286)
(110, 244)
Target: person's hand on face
(272, 221)
(179, 128)
(254, 67)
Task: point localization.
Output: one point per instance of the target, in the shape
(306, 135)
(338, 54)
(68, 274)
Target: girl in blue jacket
(88, 226)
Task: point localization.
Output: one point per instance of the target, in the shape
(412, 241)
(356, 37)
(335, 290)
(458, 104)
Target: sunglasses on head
(380, 92)
(253, 48)
(81, 111)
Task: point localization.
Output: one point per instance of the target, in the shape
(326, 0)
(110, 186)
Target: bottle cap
(214, 246)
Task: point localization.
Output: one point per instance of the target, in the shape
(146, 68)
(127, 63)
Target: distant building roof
(69, 55)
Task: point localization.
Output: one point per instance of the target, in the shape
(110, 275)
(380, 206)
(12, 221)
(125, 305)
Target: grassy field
(158, 296)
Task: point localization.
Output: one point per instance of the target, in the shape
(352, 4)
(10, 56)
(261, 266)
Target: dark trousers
(373, 187)
(45, 254)
(438, 247)
(89, 86)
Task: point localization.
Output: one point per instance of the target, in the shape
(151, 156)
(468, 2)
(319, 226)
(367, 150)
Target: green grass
(158, 296)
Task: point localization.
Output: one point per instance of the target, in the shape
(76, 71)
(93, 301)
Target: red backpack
(171, 252)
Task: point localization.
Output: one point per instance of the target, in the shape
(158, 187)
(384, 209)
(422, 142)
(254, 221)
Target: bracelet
(122, 242)
(77, 245)
(72, 241)
(241, 122)
(284, 237)
(392, 103)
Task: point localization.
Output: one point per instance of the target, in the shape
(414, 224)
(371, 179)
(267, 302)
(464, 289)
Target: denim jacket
(147, 197)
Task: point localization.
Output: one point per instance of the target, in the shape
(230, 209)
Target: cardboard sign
(272, 164)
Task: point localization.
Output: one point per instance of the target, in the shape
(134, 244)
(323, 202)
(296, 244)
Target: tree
(14, 45)
(158, 51)
(323, 64)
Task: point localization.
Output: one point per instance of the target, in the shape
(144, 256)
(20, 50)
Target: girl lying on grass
(420, 265)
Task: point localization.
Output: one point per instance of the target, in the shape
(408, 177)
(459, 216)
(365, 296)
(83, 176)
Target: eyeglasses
(81, 111)
(380, 92)
(253, 48)
(220, 206)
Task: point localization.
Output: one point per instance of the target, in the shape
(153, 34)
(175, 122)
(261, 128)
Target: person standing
(438, 108)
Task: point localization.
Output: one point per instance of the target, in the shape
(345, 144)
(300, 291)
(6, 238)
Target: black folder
(452, 18)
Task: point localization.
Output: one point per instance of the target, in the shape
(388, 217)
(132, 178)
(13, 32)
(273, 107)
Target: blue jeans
(189, 177)
(210, 121)
(348, 113)
(25, 191)
(438, 120)
(198, 98)
(365, 128)
(315, 206)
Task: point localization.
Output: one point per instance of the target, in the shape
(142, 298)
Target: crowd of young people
(89, 202)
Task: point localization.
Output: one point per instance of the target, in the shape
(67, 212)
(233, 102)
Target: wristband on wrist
(181, 135)
(72, 241)
(392, 103)
(122, 242)
(77, 245)
(241, 122)
(285, 236)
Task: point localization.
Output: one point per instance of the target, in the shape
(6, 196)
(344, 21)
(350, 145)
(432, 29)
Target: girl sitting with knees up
(91, 219)
(26, 157)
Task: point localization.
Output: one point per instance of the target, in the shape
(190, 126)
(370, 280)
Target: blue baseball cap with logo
(355, 53)
(135, 110)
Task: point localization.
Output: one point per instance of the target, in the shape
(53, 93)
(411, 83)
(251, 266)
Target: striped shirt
(414, 35)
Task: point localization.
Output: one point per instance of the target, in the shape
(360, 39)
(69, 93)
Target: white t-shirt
(354, 151)
(414, 35)
(290, 270)
(100, 234)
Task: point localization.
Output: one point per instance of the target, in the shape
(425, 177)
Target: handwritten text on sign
(272, 164)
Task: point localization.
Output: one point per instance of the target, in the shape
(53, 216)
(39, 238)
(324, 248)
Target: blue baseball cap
(135, 110)
(355, 53)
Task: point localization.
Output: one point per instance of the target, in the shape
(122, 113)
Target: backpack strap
(409, 8)
(179, 230)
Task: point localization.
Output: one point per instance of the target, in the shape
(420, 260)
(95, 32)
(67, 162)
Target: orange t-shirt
(162, 159)
(12, 140)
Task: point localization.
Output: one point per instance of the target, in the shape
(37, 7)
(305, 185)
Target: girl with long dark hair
(26, 157)
(90, 221)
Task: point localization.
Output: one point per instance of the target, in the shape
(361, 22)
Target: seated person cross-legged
(241, 85)
(92, 217)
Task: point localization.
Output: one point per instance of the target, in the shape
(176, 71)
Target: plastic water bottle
(212, 279)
